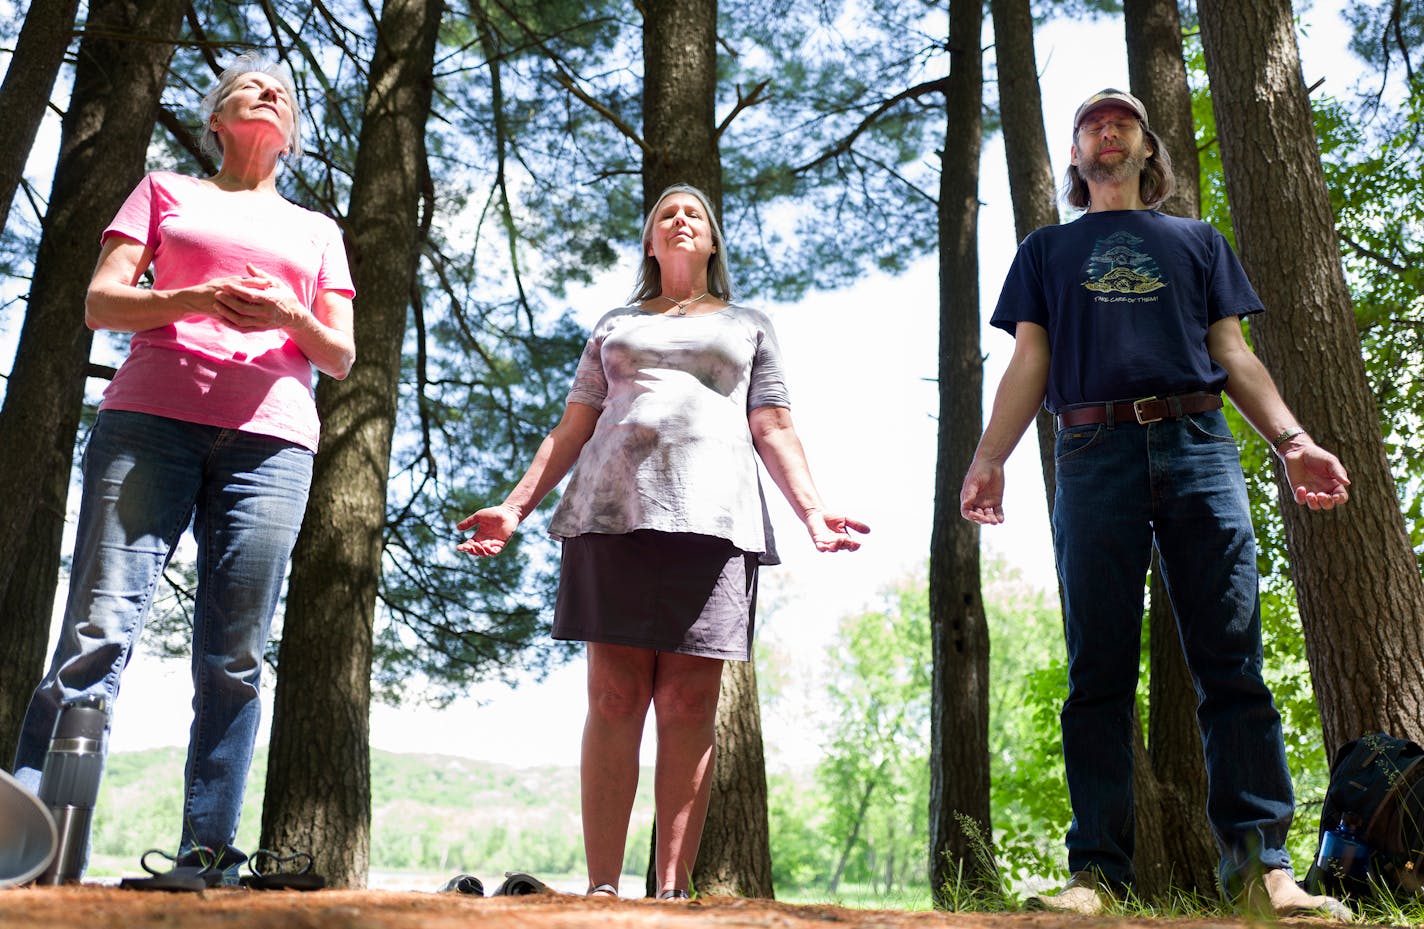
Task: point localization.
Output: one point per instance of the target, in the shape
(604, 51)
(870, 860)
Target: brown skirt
(674, 592)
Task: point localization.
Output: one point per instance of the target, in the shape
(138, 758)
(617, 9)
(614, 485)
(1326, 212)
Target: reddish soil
(103, 907)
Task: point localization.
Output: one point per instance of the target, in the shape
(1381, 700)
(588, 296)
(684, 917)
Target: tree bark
(318, 796)
(1031, 187)
(121, 71)
(959, 726)
(1356, 578)
(1158, 76)
(679, 98)
(680, 132)
(735, 857)
(29, 79)
(1175, 850)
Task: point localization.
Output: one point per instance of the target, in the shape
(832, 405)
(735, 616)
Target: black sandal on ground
(519, 884)
(602, 890)
(271, 871)
(191, 872)
(464, 884)
(674, 893)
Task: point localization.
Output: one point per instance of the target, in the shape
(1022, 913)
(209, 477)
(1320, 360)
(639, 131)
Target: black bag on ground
(1372, 820)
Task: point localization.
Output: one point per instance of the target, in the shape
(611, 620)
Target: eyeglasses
(1120, 126)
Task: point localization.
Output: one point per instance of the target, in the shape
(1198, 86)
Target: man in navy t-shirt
(1127, 322)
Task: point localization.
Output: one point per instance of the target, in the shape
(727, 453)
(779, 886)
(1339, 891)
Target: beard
(1095, 171)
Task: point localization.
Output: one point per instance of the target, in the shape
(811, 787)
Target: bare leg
(685, 703)
(620, 686)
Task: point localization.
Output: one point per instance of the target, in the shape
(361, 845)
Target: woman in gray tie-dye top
(664, 525)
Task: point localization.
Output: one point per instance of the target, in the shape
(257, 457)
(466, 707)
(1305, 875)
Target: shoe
(603, 891)
(519, 884)
(674, 893)
(1080, 895)
(192, 871)
(271, 871)
(1277, 892)
(464, 884)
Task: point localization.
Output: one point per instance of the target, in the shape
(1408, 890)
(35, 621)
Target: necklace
(680, 306)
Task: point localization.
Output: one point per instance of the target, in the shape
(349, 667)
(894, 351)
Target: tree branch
(845, 144)
(751, 99)
(567, 82)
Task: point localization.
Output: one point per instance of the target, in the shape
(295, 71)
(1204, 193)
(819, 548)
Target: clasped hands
(256, 302)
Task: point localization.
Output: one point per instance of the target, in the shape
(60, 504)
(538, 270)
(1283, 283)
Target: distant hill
(430, 812)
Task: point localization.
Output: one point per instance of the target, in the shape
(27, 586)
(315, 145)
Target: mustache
(1132, 164)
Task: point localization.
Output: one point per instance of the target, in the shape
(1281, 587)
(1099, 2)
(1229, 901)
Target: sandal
(674, 893)
(464, 884)
(519, 884)
(271, 871)
(190, 872)
(602, 890)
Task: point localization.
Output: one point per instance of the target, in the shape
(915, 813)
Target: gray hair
(649, 282)
(247, 63)
(1155, 183)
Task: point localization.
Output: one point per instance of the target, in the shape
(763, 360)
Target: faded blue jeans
(1176, 483)
(145, 478)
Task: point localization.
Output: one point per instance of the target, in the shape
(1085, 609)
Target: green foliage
(987, 891)
(873, 778)
(801, 855)
(874, 775)
(828, 175)
(1029, 670)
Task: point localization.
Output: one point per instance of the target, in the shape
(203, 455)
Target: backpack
(1377, 792)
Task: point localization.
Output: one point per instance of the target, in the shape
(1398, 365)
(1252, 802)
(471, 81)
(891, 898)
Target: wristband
(1285, 437)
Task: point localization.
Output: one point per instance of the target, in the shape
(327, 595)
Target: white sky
(861, 365)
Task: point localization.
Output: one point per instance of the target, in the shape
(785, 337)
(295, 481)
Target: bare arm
(494, 525)
(780, 449)
(262, 301)
(253, 302)
(115, 301)
(1317, 478)
(1016, 403)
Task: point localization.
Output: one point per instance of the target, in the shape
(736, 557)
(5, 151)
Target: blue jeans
(145, 478)
(1177, 483)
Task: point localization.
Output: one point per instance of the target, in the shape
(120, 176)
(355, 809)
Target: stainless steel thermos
(69, 784)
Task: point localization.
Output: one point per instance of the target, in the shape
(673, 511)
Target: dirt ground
(105, 907)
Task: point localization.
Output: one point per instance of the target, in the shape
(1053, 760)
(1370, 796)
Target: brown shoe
(1277, 892)
(1080, 895)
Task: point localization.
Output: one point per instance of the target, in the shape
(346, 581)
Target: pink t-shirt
(199, 369)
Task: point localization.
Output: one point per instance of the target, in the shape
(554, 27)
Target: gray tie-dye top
(672, 450)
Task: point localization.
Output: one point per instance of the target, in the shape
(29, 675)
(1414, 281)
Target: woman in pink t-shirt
(210, 419)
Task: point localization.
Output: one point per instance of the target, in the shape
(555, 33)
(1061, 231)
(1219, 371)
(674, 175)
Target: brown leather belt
(1141, 412)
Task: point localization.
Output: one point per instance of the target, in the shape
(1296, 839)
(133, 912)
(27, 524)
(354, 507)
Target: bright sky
(861, 366)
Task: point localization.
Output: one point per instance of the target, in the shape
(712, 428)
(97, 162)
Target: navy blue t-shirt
(1127, 297)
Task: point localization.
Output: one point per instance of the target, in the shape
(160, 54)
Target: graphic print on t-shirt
(1119, 266)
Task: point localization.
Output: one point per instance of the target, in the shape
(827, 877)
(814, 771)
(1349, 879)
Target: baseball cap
(1109, 95)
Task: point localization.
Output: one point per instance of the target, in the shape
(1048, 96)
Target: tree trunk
(123, 63)
(959, 726)
(1357, 582)
(1175, 850)
(735, 857)
(318, 794)
(835, 882)
(680, 98)
(1158, 75)
(680, 131)
(1031, 188)
(29, 78)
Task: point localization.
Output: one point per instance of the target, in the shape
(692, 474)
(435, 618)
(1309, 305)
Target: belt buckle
(1137, 411)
